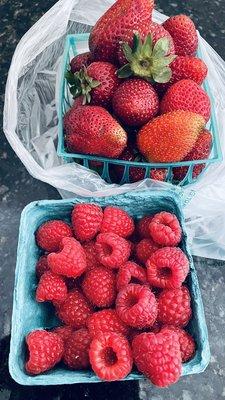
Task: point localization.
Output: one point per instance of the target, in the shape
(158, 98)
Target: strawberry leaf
(162, 76)
(161, 48)
(69, 76)
(146, 50)
(137, 44)
(125, 71)
(127, 51)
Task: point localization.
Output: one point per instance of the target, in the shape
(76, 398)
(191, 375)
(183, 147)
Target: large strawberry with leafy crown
(149, 58)
(186, 95)
(80, 60)
(184, 34)
(200, 151)
(135, 102)
(95, 84)
(170, 137)
(92, 130)
(117, 25)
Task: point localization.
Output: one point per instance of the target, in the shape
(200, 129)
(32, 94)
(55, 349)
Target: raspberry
(45, 350)
(99, 286)
(174, 307)
(130, 272)
(76, 353)
(75, 310)
(42, 266)
(50, 234)
(143, 226)
(51, 287)
(158, 357)
(91, 255)
(110, 356)
(86, 220)
(165, 229)
(187, 343)
(167, 268)
(115, 220)
(70, 261)
(144, 249)
(112, 250)
(106, 321)
(63, 331)
(136, 305)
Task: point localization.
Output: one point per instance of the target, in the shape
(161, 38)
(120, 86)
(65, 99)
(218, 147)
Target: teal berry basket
(78, 43)
(29, 315)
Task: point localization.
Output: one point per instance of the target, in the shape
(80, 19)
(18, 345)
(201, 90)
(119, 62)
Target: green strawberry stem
(146, 60)
(81, 84)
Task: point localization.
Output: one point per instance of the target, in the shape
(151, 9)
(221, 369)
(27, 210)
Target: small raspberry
(167, 268)
(86, 220)
(99, 286)
(50, 234)
(42, 266)
(106, 321)
(45, 351)
(143, 227)
(158, 357)
(70, 261)
(76, 353)
(165, 229)
(91, 255)
(136, 305)
(75, 310)
(112, 250)
(63, 331)
(110, 356)
(144, 249)
(187, 343)
(115, 220)
(174, 307)
(51, 287)
(130, 272)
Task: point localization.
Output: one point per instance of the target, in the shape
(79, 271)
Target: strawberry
(96, 84)
(135, 102)
(79, 61)
(170, 137)
(184, 34)
(137, 173)
(117, 25)
(188, 67)
(92, 130)
(158, 31)
(186, 95)
(149, 59)
(200, 151)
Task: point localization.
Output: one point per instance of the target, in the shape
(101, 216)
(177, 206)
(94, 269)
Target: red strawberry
(138, 173)
(188, 67)
(184, 34)
(186, 95)
(135, 102)
(96, 83)
(179, 131)
(92, 130)
(79, 61)
(200, 151)
(158, 32)
(117, 25)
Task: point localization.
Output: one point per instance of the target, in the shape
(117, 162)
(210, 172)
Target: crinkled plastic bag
(30, 122)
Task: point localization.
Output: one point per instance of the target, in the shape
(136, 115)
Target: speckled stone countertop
(17, 188)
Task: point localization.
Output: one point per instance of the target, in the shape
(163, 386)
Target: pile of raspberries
(117, 287)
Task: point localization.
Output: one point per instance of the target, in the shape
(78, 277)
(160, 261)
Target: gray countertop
(17, 188)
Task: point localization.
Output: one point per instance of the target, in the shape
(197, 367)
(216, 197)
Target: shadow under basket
(76, 44)
(29, 315)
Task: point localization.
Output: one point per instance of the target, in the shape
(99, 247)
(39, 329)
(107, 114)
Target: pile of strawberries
(137, 93)
(117, 286)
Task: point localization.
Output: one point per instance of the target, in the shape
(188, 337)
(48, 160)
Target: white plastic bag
(30, 122)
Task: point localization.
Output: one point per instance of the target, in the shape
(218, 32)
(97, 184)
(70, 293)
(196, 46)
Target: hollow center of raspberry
(165, 272)
(135, 280)
(107, 250)
(131, 301)
(110, 356)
